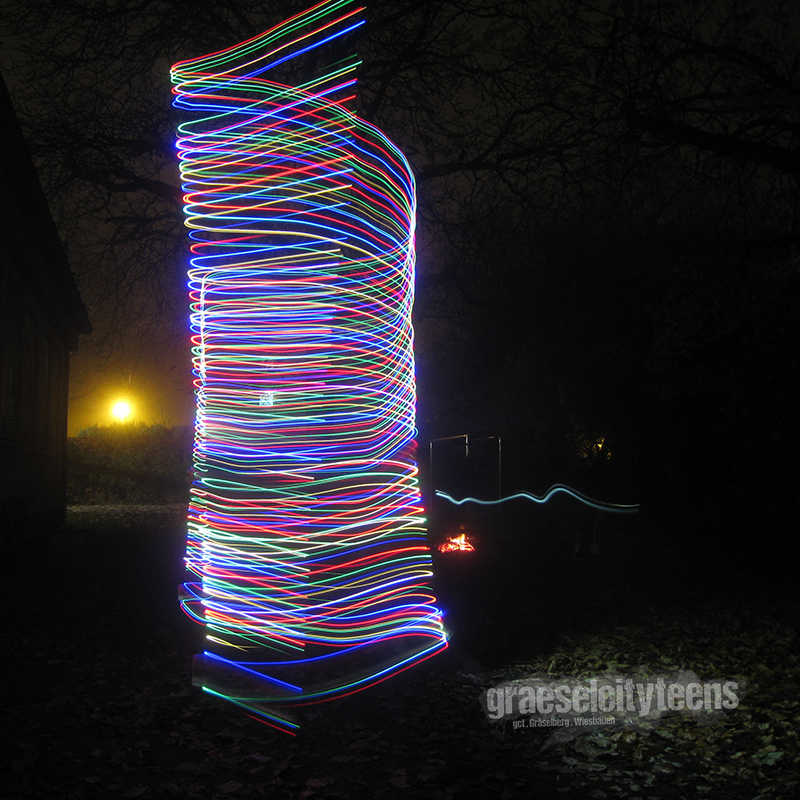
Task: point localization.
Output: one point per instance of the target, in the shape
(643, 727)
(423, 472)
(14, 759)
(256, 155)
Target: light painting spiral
(306, 529)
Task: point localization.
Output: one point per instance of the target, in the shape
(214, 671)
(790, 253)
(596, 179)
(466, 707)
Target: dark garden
(400, 400)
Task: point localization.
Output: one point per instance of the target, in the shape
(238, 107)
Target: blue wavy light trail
(553, 490)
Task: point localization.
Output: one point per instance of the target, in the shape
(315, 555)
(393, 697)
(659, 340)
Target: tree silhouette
(608, 206)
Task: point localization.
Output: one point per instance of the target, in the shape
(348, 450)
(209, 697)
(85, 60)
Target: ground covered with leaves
(99, 702)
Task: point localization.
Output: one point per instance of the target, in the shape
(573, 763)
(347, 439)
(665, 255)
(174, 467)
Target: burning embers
(456, 543)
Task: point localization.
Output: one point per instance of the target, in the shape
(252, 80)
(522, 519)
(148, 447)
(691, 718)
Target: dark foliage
(131, 462)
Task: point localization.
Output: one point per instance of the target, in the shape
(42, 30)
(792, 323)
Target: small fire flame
(456, 543)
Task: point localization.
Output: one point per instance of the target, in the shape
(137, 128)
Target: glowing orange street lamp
(121, 411)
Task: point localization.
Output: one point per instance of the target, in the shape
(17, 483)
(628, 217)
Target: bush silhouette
(131, 462)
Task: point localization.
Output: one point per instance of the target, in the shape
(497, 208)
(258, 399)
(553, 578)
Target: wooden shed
(41, 318)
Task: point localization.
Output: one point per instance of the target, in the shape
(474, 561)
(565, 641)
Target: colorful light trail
(306, 529)
(597, 505)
